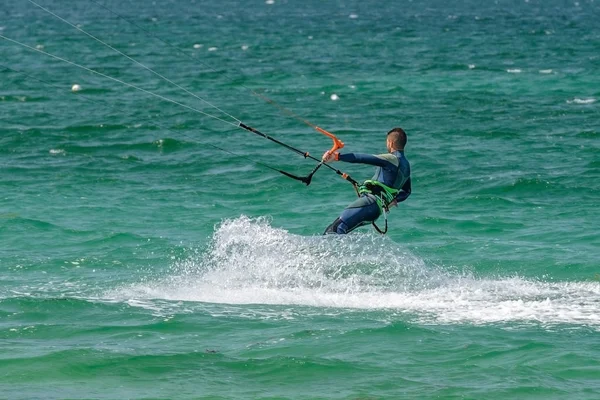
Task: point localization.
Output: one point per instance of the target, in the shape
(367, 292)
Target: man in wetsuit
(389, 186)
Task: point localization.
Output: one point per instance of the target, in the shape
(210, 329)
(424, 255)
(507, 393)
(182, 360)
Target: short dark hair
(398, 137)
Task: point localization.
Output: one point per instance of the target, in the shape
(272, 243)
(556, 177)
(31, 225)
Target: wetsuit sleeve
(359, 158)
(404, 191)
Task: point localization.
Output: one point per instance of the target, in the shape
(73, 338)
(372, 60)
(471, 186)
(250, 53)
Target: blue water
(137, 261)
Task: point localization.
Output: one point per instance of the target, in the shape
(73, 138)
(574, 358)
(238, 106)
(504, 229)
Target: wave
(250, 262)
(581, 101)
(14, 219)
(588, 134)
(522, 185)
(94, 128)
(163, 145)
(21, 98)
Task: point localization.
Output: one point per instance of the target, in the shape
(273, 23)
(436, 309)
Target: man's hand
(330, 156)
(393, 203)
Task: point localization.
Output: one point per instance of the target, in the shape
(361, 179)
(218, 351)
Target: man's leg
(362, 211)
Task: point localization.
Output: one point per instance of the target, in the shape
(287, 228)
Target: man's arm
(383, 160)
(404, 191)
(402, 194)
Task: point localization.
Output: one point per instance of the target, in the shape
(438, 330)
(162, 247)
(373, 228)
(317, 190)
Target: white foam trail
(582, 101)
(249, 262)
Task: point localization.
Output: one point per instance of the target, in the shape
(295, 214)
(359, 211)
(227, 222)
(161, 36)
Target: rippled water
(137, 260)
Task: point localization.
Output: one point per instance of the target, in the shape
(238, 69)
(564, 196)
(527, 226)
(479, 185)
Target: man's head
(396, 140)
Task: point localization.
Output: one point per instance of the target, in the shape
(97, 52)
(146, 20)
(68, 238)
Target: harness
(383, 194)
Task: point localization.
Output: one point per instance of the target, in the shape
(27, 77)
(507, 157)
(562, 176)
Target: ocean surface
(139, 261)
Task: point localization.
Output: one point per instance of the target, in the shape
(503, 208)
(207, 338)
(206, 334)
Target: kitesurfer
(389, 186)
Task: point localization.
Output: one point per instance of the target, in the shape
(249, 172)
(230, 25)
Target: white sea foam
(249, 262)
(545, 71)
(57, 151)
(582, 101)
(514, 71)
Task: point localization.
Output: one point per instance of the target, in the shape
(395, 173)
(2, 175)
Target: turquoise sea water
(138, 262)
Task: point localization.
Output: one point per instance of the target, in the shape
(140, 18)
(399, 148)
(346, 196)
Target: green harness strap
(383, 193)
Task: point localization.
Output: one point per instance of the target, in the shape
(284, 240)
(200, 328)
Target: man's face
(388, 144)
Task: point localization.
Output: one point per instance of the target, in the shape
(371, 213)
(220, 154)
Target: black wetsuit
(393, 171)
